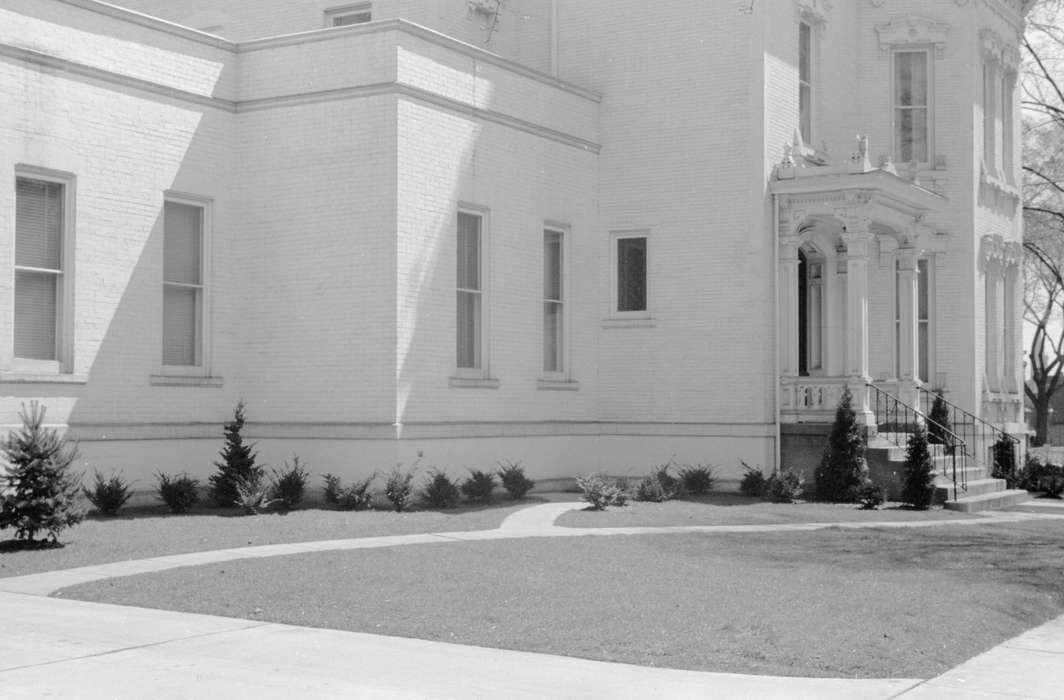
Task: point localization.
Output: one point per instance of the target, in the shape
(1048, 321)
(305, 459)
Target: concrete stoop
(989, 501)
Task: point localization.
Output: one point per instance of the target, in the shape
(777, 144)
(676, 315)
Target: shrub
(108, 495)
(842, 469)
(41, 492)
(918, 490)
(254, 494)
(601, 492)
(658, 486)
(398, 489)
(289, 484)
(514, 480)
(1004, 456)
(786, 486)
(237, 464)
(1052, 485)
(938, 423)
(871, 495)
(1041, 476)
(753, 483)
(696, 479)
(440, 491)
(179, 493)
(355, 497)
(479, 486)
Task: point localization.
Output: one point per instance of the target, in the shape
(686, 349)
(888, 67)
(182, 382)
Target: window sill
(644, 322)
(557, 385)
(474, 383)
(179, 380)
(39, 378)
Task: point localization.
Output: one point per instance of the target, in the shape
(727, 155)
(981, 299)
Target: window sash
(39, 279)
(184, 290)
(469, 308)
(912, 85)
(805, 81)
(553, 304)
(468, 351)
(632, 274)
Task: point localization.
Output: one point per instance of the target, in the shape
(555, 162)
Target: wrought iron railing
(895, 418)
(980, 438)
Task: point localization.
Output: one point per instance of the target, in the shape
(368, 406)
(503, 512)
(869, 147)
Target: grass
(868, 603)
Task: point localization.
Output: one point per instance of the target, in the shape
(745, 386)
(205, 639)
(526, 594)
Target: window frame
(65, 304)
(810, 26)
(1008, 125)
(563, 232)
(614, 257)
(203, 329)
(925, 266)
(331, 14)
(991, 111)
(929, 54)
(483, 254)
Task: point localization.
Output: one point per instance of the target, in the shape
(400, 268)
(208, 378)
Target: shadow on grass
(9, 546)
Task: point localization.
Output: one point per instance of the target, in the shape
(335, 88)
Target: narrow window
(805, 81)
(553, 302)
(632, 274)
(183, 287)
(349, 14)
(1008, 85)
(470, 292)
(922, 370)
(39, 268)
(911, 106)
(989, 116)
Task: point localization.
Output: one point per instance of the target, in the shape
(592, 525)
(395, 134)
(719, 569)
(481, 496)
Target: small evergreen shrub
(179, 493)
(254, 494)
(479, 486)
(513, 478)
(1045, 477)
(108, 495)
(237, 463)
(753, 483)
(871, 496)
(658, 486)
(786, 486)
(918, 490)
(398, 489)
(440, 491)
(601, 492)
(1004, 455)
(938, 424)
(696, 480)
(842, 469)
(289, 484)
(41, 493)
(357, 496)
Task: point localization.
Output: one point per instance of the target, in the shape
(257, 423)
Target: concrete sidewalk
(63, 648)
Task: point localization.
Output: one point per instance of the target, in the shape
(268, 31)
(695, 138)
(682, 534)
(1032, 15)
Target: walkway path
(67, 648)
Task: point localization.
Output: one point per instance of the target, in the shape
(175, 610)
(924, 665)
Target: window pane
(552, 336)
(911, 135)
(468, 251)
(552, 265)
(35, 314)
(922, 290)
(352, 18)
(804, 55)
(182, 237)
(631, 274)
(910, 79)
(38, 224)
(923, 368)
(468, 327)
(180, 325)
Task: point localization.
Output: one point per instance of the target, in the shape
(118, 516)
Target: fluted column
(908, 324)
(857, 248)
(788, 306)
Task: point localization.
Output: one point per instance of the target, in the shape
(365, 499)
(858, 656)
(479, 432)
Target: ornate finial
(788, 157)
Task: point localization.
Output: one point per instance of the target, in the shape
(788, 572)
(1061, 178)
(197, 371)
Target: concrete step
(989, 501)
(1045, 506)
(974, 487)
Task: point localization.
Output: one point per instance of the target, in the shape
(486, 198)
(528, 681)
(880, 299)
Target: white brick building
(575, 240)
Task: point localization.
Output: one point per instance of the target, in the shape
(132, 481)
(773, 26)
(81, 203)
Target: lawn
(845, 603)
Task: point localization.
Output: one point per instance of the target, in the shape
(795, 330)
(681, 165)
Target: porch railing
(980, 438)
(895, 418)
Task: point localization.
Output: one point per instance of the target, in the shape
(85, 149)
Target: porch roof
(876, 185)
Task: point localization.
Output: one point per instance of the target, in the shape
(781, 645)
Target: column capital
(908, 259)
(857, 243)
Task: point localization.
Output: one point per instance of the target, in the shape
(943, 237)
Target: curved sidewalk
(66, 648)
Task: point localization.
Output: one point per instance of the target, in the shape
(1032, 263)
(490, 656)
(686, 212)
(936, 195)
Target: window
(989, 117)
(805, 81)
(43, 233)
(470, 292)
(923, 368)
(631, 274)
(1008, 86)
(553, 302)
(348, 14)
(183, 284)
(911, 107)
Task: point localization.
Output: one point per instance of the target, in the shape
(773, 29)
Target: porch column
(908, 317)
(788, 306)
(857, 240)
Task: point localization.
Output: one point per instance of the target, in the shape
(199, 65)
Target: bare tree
(1043, 209)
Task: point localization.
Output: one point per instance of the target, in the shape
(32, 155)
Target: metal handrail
(976, 431)
(892, 408)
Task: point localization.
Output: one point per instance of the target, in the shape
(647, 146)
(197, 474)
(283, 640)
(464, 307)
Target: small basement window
(349, 14)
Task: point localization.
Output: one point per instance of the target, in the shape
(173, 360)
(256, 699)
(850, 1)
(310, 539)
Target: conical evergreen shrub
(843, 469)
(237, 465)
(919, 486)
(938, 424)
(42, 494)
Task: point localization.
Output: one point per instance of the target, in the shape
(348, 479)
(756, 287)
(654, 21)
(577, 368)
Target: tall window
(1008, 86)
(470, 292)
(359, 13)
(911, 107)
(183, 287)
(632, 274)
(805, 81)
(989, 117)
(922, 370)
(39, 268)
(553, 302)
